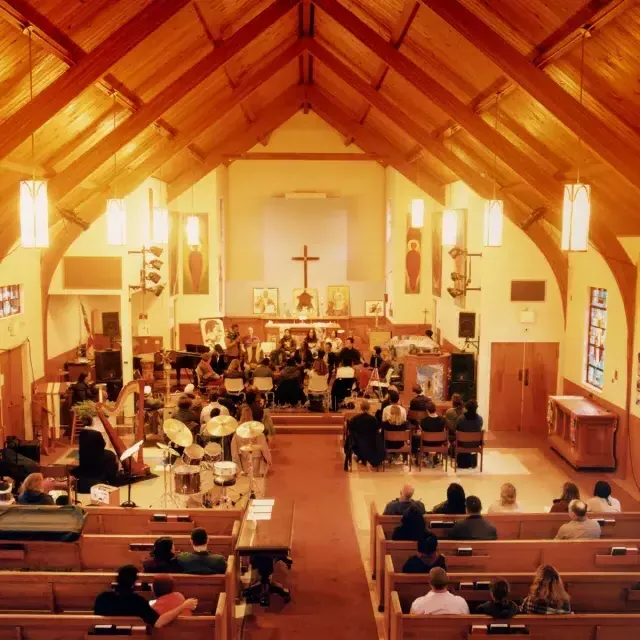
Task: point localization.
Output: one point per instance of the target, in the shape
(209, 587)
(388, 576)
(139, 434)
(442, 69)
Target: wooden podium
(582, 432)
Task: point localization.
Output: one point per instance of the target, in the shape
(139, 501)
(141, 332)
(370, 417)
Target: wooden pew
(98, 552)
(76, 627)
(119, 520)
(510, 526)
(590, 592)
(68, 592)
(515, 556)
(560, 627)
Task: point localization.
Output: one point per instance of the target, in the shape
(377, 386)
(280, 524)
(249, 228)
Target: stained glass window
(10, 301)
(596, 337)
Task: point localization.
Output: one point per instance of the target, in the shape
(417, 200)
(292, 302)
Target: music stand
(128, 455)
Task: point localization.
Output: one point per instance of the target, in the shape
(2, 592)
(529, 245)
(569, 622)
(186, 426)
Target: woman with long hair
(547, 594)
(412, 527)
(508, 503)
(570, 492)
(500, 606)
(603, 501)
(162, 558)
(335, 340)
(455, 502)
(32, 491)
(311, 339)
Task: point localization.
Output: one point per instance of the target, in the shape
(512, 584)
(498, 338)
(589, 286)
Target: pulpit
(582, 432)
(431, 372)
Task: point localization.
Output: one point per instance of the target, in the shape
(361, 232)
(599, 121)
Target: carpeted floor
(330, 595)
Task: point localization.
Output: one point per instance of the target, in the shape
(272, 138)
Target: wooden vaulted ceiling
(193, 83)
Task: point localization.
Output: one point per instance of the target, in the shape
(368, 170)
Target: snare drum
(225, 469)
(187, 480)
(212, 453)
(193, 454)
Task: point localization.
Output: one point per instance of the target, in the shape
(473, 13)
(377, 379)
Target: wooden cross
(305, 259)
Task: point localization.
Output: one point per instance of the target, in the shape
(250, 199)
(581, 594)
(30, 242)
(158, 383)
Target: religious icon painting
(413, 259)
(436, 253)
(338, 301)
(305, 302)
(195, 254)
(374, 308)
(265, 301)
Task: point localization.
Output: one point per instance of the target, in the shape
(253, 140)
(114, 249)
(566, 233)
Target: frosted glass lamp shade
(193, 231)
(576, 212)
(493, 223)
(417, 213)
(34, 214)
(449, 227)
(160, 225)
(116, 222)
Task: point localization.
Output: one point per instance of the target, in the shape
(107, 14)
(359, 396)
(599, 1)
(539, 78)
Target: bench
(119, 520)
(510, 526)
(515, 556)
(590, 592)
(98, 552)
(582, 626)
(77, 627)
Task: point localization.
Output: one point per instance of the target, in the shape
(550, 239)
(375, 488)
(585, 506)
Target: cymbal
(177, 432)
(250, 448)
(184, 438)
(250, 429)
(221, 426)
(172, 426)
(164, 447)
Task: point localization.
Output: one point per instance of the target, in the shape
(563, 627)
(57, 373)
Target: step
(306, 418)
(309, 428)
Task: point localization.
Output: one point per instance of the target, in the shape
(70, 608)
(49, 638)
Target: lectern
(582, 432)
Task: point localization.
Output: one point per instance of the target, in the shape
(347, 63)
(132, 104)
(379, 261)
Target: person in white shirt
(439, 601)
(602, 501)
(508, 502)
(394, 399)
(205, 414)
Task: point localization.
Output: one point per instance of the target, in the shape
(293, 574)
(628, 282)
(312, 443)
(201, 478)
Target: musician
(288, 343)
(185, 412)
(254, 353)
(234, 345)
(96, 463)
(247, 340)
(218, 360)
(205, 371)
(82, 390)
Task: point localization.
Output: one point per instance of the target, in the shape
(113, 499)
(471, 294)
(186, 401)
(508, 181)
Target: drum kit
(199, 468)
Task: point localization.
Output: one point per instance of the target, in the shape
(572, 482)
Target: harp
(138, 467)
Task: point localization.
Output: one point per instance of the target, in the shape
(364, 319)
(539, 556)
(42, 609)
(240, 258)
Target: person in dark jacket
(426, 558)
(96, 464)
(419, 401)
(162, 558)
(365, 436)
(399, 505)
(455, 504)
(469, 422)
(413, 526)
(474, 526)
(376, 358)
(32, 491)
(500, 606)
(82, 390)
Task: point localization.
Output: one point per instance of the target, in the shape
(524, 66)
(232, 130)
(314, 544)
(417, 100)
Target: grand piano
(179, 360)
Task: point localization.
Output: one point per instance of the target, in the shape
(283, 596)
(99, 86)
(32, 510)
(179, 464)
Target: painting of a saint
(430, 377)
(436, 253)
(305, 302)
(212, 331)
(413, 260)
(338, 301)
(265, 302)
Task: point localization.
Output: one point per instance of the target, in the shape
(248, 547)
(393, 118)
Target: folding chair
(235, 387)
(434, 442)
(319, 386)
(472, 442)
(403, 436)
(265, 385)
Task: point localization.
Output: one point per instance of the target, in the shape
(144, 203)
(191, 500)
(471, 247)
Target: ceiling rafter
(595, 133)
(398, 34)
(86, 70)
(306, 28)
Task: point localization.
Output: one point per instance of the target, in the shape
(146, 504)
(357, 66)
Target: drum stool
(223, 499)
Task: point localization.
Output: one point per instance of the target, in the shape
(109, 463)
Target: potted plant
(85, 412)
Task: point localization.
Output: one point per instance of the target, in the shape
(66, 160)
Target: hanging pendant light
(34, 204)
(576, 209)
(494, 208)
(116, 207)
(417, 213)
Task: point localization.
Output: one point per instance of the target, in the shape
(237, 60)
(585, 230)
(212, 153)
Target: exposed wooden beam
(25, 169)
(595, 133)
(302, 156)
(171, 95)
(587, 172)
(273, 116)
(398, 34)
(19, 126)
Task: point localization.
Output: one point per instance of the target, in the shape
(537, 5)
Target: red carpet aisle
(330, 596)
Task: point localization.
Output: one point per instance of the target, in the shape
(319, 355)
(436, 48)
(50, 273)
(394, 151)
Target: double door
(12, 400)
(523, 376)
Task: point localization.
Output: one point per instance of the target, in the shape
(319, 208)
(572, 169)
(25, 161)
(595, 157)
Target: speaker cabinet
(466, 389)
(466, 325)
(108, 366)
(463, 367)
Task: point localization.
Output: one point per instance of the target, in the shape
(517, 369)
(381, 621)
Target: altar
(276, 327)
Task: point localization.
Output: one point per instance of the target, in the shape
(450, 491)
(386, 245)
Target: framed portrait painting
(305, 302)
(374, 308)
(338, 304)
(265, 301)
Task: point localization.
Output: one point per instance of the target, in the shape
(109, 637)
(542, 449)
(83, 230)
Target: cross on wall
(305, 258)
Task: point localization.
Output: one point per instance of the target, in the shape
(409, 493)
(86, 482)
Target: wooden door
(11, 394)
(505, 394)
(540, 381)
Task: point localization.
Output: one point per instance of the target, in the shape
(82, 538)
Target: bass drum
(187, 480)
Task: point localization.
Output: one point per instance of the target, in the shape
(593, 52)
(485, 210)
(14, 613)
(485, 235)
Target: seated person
(508, 502)
(412, 527)
(6, 492)
(124, 601)
(432, 423)
(349, 353)
(426, 558)
(205, 371)
(162, 558)
(263, 370)
(218, 360)
(343, 384)
(399, 505)
(288, 343)
(419, 401)
(394, 401)
(579, 527)
(469, 422)
(376, 358)
(201, 561)
(602, 501)
(82, 390)
(451, 415)
(185, 412)
(226, 401)
(330, 357)
(439, 601)
(289, 389)
(253, 353)
(32, 491)
(500, 606)
(363, 437)
(234, 370)
(456, 502)
(364, 377)
(395, 421)
(304, 357)
(319, 372)
(166, 599)
(474, 526)
(96, 463)
(570, 492)
(547, 595)
(387, 364)
(205, 414)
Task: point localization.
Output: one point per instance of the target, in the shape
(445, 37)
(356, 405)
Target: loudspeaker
(465, 389)
(463, 367)
(108, 366)
(24, 448)
(467, 325)
(111, 324)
